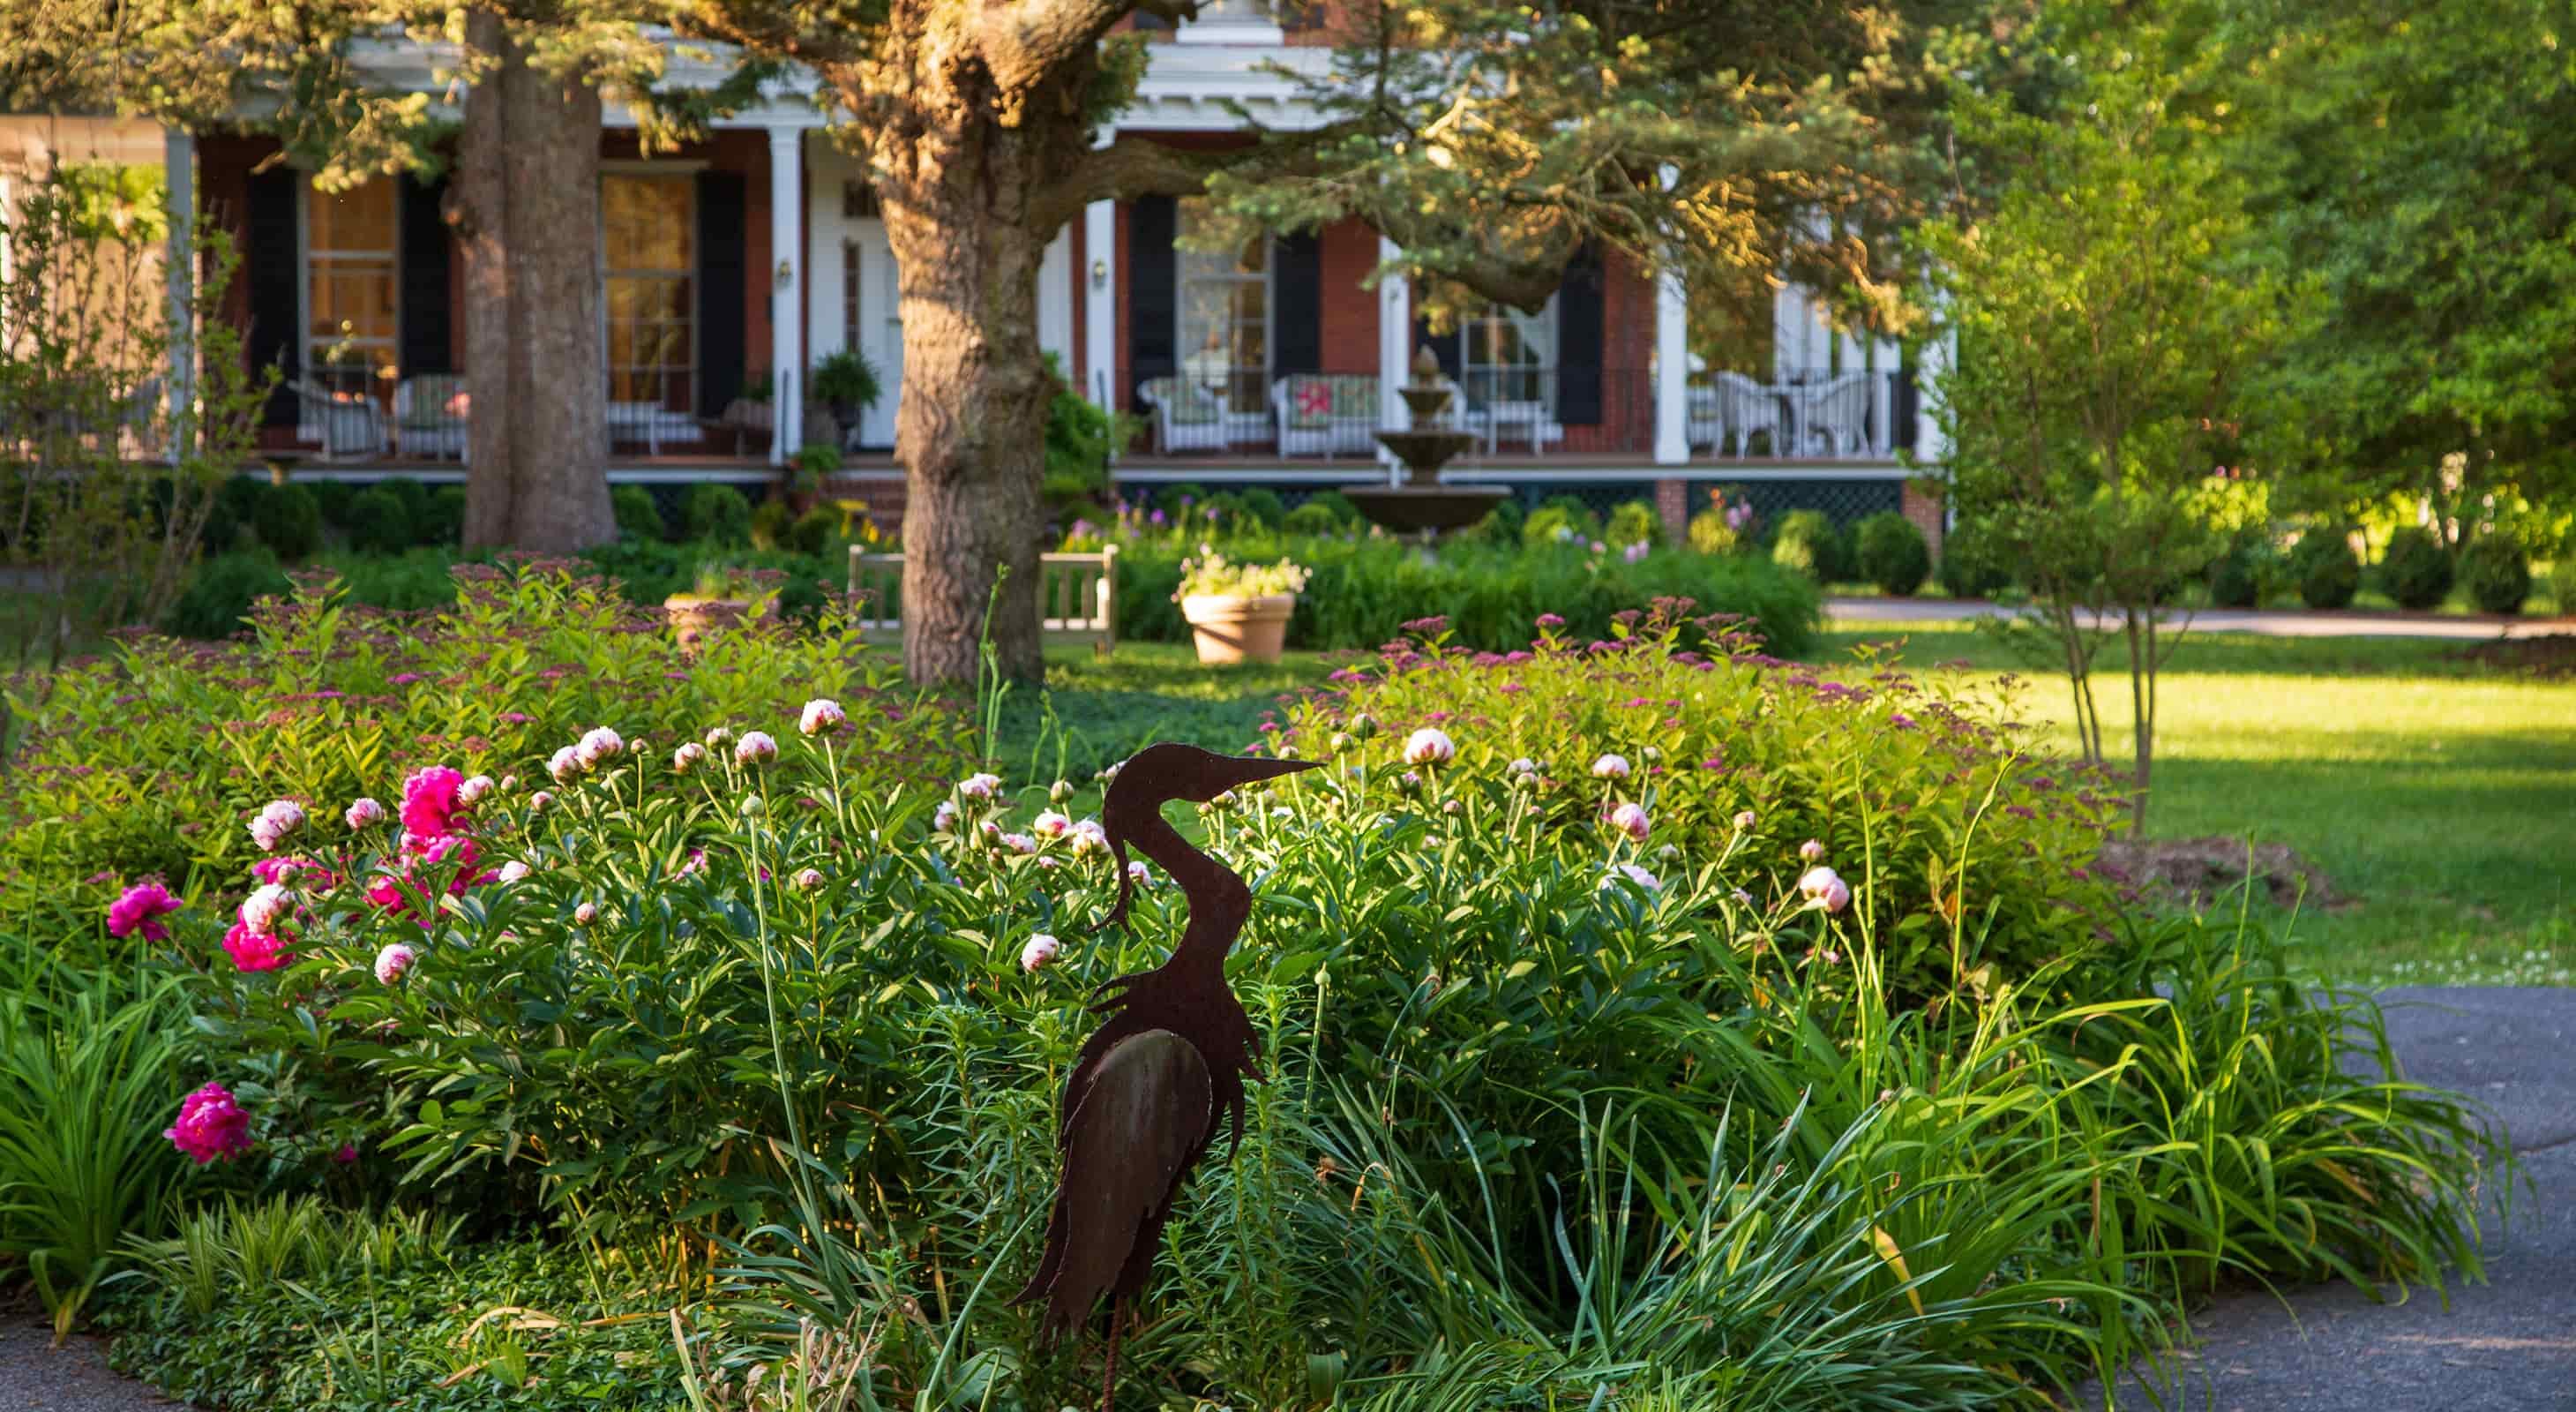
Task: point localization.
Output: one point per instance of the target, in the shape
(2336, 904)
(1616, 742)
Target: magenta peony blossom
(347, 1154)
(211, 1126)
(140, 909)
(821, 716)
(391, 962)
(429, 800)
(1039, 953)
(1631, 820)
(256, 951)
(365, 813)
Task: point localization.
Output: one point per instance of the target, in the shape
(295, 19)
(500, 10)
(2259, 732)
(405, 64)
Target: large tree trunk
(526, 206)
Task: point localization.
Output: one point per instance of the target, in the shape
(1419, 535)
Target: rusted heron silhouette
(1148, 1089)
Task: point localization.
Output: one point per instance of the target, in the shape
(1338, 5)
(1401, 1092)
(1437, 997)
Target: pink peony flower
(255, 951)
(472, 791)
(275, 822)
(211, 1126)
(1610, 767)
(979, 786)
(391, 962)
(265, 908)
(1631, 820)
(565, 764)
(1017, 842)
(364, 814)
(1634, 874)
(1050, 824)
(944, 818)
(1429, 746)
(1810, 851)
(686, 757)
(754, 748)
(1089, 837)
(429, 800)
(539, 801)
(1039, 953)
(140, 909)
(514, 870)
(1744, 820)
(597, 747)
(584, 915)
(1139, 874)
(810, 880)
(1823, 887)
(821, 716)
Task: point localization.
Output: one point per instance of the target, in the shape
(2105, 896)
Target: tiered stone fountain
(1420, 502)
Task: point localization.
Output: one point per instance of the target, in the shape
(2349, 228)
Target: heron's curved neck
(1219, 901)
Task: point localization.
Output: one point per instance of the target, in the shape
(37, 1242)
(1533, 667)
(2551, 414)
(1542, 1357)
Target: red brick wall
(1350, 311)
(1925, 510)
(1627, 340)
(1672, 506)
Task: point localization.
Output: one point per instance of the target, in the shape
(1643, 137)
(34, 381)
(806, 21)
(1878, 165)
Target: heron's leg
(1109, 1379)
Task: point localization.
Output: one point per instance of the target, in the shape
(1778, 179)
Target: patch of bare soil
(2551, 656)
(2200, 870)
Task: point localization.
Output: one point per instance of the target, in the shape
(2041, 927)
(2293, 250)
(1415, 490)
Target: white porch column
(1100, 304)
(1940, 354)
(1055, 300)
(786, 301)
(1672, 369)
(1394, 349)
(179, 268)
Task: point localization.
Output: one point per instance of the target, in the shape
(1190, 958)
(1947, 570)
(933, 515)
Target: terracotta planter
(693, 618)
(1234, 628)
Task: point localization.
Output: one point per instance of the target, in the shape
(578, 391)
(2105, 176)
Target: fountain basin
(1409, 509)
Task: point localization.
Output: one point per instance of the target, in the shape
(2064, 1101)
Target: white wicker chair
(1744, 407)
(1836, 412)
(1186, 416)
(429, 417)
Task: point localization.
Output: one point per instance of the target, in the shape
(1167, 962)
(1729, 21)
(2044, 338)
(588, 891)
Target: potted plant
(1238, 612)
(721, 595)
(813, 464)
(846, 383)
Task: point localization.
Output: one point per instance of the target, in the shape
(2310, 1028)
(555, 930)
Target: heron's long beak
(1211, 775)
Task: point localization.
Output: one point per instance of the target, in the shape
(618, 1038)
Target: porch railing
(1802, 415)
(428, 416)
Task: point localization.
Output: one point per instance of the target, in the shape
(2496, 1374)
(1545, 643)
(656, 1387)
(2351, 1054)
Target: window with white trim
(649, 232)
(1505, 355)
(352, 298)
(1223, 314)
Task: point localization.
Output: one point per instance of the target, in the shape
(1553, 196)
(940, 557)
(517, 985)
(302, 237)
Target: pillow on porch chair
(1182, 403)
(1312, 401)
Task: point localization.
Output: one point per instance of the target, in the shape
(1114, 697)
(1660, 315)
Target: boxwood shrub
(2416, 570)
(2496, 574)
(2327, 573)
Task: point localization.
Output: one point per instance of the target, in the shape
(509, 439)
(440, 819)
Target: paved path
(74, 1378)
(2268, 623)
(2508, 1345)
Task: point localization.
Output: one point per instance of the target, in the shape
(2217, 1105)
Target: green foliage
(220, 593)
(717, 514)
(289, 521)
(1809, 542)
(1560, 520)
(814, 531)
(770, 522)
(334, 497)
(1502, 525)
(638, 518)
(379, 520)
(149, 761)
(1325, 513)
(1891, 553)
(844, 381)
(1633, 522)
(2242, 576)
(235, 509)
(2495, 573)
(1080, 440)
(414, 498)
(2416, 569)
(2324, 567)
(442, 520)
(1972, 562)
(90, 1063)
(1256, 508)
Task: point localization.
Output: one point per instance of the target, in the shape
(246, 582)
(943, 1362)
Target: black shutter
(1153, 288)
(1297, 304)
(1905, 406)
(1444, 346)
(269, 278)
(1578, 335)
(423, 263)
(723, 324)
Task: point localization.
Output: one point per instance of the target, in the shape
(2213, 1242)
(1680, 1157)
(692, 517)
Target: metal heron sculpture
(1148, 1089)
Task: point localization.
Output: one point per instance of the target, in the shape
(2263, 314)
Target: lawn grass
(2438, 797)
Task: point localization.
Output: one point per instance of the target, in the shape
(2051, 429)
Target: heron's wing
(1141, 1122)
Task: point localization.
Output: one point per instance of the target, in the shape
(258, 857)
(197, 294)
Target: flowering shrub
(163, 759)
(1212, 573)
(1960, 850)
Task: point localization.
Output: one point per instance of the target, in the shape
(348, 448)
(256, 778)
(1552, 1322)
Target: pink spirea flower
(1050, 824)
(1631, 820)
(265, 908)
(821, 716)
(429, 800)
(255, 951)
(1550, 620)
(277, 820)
(1823, 887)
(139, 909)
(1429, 746)
(364, 813)
(391, 962)
(1610, 767)
(211, 1126)
(754, 748)
(598, 746)
(1039, 953)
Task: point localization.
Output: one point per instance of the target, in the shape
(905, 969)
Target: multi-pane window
(649, 242)
(351, 296)
(1505, 355)
(1224, 315)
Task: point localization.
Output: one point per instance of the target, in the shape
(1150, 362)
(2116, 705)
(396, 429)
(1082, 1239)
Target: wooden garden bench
(1077, 597)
